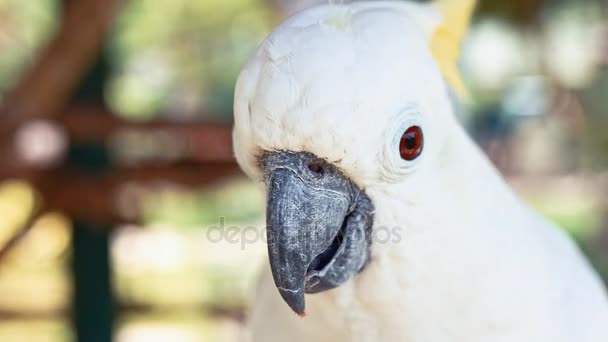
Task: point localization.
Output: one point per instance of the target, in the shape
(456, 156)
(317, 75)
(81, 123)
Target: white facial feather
(472, 262)
(353, 80)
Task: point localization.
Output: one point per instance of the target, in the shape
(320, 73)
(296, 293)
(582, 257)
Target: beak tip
(295, 300)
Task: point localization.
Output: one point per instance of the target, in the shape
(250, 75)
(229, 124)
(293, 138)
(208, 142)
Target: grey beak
(318, 225)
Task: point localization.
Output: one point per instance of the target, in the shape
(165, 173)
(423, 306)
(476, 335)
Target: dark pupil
(410, 141)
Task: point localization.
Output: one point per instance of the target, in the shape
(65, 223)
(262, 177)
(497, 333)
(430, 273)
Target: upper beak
(318, 225)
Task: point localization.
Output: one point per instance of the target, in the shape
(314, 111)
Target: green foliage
(182, 55)
(238, 202)
(595, 138)
(580, 218)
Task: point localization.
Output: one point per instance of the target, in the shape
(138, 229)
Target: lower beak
(318, 226)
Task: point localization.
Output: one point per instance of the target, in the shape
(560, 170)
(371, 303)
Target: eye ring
(394, 167)
(411, 143)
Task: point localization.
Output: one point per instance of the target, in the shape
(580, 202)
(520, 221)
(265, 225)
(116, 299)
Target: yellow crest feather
(447, 37)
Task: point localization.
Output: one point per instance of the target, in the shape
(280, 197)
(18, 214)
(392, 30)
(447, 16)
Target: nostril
(316, 167)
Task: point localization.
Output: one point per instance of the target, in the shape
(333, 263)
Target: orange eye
(412, 143)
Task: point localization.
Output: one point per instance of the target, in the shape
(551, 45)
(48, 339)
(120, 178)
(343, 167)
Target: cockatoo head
(341, 106)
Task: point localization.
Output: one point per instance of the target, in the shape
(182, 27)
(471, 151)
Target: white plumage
(469, 262)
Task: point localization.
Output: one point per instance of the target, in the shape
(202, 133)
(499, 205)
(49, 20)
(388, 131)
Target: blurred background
(116, 162)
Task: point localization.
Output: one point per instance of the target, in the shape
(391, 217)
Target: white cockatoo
(384, 221)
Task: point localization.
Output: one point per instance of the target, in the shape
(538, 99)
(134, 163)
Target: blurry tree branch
(95, 197)
(49, 82)
(44, 92)
(205, 142)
